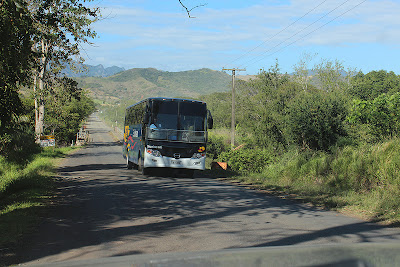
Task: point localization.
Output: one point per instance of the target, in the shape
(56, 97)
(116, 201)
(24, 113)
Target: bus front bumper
(151, 161)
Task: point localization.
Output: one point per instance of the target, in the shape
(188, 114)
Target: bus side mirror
(210, 121)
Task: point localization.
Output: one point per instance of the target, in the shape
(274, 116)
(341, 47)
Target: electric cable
(310, 32)
(248, 52)
(255, 58)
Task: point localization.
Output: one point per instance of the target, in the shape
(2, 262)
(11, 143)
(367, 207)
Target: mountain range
(92, 71)
(139, 83)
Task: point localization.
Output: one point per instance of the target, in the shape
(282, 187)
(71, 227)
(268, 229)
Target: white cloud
(173, 41)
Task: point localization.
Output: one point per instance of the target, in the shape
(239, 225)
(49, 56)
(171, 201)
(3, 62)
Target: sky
(246, 34)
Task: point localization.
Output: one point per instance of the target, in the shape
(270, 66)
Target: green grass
(362, 180)
(24, 191)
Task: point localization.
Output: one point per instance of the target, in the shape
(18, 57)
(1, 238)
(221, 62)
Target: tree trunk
(39, 91)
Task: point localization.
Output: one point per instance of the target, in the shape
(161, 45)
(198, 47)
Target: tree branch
(190, 10)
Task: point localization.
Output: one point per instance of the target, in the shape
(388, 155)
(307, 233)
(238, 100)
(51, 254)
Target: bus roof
(167, 99)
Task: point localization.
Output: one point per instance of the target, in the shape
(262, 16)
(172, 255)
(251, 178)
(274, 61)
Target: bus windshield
(188, 115)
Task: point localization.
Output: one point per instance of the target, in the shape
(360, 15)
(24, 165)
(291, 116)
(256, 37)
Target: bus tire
(129, 164)
(141, 169)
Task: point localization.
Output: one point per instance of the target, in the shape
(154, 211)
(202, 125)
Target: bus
(166, 133)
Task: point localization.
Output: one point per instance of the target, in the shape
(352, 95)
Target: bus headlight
(154, 152)
(198, 155)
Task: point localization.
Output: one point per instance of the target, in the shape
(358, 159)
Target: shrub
(246, 160)
(17, 143)
(215, 146)
(316, 120)
(381, 115)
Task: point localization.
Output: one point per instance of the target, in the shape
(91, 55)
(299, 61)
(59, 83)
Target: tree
(381, 115)
(15, 56)
(219, 103)
(262, 105)
(66, 106)
(302, 75)
(316, 120)
(188, 10)
(371, 85)
(62, 25)
(332, 76)
(16, 59)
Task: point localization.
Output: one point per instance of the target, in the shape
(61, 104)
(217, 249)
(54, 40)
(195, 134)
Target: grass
(362, 181)
(25, 189)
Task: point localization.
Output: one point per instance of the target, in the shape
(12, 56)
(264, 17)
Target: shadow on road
(112, 204)
(360, 229)
(90, 167)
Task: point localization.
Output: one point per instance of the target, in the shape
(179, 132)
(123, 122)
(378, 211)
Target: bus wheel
(141, 169)
(129, 164)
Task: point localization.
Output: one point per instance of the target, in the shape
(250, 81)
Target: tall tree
(262, 105)
(62, 25)
(15, 55)
(329, 74)
(302, 75)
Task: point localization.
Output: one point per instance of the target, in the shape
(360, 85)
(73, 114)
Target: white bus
(166, 133)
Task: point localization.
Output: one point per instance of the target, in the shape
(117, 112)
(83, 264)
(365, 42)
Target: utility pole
(233, 104)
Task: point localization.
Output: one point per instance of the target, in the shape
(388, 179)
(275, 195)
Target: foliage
(15, 56)
(61, 26)
(262, 108)
(371, 85)
(363, 178)
(220, 105)
(382, 115)
(316, 120)
(302, 73)
(115, 114)
(216, 145)
(332, 76)
(17, 142)
(67, 106)
(24, 188)
(246, 160)
(37, 38)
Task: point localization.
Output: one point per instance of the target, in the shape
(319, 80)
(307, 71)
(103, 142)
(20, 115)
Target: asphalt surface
(104, 210)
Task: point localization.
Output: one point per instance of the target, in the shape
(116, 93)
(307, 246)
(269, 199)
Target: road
(104, 210)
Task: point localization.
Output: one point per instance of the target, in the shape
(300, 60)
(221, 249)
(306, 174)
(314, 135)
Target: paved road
(105, 210)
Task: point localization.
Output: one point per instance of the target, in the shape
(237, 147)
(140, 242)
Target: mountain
(139, 83)
(92, 71)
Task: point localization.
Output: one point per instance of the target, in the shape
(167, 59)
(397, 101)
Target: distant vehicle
(166, 133)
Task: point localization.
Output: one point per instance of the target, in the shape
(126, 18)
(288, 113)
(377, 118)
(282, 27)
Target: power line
(248, 52)
(255, 58)
(311, 32)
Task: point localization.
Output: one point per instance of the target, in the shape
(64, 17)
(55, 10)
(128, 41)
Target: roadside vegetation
(325, 134)
(36, 100)
(26, 187)
(331, 139)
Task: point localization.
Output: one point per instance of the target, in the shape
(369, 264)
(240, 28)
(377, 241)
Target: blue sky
(249, 34)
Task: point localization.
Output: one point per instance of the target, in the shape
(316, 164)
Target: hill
(92, 71)
(140, 83)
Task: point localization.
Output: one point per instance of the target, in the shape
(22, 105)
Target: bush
(316, 120)
(381, 115)
(215, 146)
(17, 143)
(246, 160)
